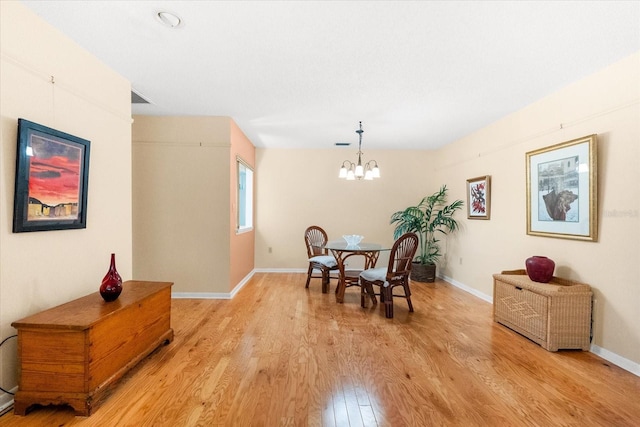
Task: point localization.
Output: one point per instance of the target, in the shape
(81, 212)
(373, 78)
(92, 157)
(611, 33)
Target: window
(245, 197)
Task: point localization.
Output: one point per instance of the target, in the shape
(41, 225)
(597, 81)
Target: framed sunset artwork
(52, 174)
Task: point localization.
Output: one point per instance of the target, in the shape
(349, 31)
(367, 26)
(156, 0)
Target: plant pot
(425, 273)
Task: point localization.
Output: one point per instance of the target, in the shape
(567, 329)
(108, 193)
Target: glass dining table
(342, 251)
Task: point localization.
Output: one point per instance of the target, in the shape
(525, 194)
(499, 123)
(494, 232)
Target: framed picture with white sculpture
(562, 190)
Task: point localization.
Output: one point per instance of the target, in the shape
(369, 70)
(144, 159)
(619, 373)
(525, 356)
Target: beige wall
(606, 104)
(181, 202)
(241, 246)
(297, 188)
(39, 270)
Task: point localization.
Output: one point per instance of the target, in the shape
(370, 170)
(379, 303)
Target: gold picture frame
(479, 197)
(562, 190)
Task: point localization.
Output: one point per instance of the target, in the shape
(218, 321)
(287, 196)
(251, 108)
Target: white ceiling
(419, 75)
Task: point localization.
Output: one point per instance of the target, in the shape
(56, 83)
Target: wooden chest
(556, 315)
(73, 353)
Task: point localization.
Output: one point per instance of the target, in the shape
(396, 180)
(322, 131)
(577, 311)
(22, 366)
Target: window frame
(244, 201)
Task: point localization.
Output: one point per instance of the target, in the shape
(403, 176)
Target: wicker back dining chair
(319, 259)
(396, 274)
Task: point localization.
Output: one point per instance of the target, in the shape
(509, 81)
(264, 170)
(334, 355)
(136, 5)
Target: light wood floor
(279, 354)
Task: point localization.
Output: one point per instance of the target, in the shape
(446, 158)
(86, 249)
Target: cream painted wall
(606, 104)
(241, 246)
(39, 270)
(90, 101)
(298, 188)
(181, 202)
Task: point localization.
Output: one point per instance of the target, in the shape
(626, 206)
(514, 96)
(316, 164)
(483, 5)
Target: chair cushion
(374, 274)
(327, 260)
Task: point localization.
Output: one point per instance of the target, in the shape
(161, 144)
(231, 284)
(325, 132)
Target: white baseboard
(214, 295)
(626, 364)
(280, 270)
(620, 361)
(472, 291)
(6, 401)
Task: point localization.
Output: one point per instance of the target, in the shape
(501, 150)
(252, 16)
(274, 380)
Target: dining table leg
(342, 284)
(370, 259)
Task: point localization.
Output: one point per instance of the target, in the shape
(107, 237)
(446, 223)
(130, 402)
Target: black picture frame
(52, 177)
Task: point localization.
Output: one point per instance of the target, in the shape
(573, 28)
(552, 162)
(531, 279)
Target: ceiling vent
(138, 99)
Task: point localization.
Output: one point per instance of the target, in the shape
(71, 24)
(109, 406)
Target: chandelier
(351, 171)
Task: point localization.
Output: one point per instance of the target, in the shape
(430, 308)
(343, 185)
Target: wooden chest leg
(25, 402)
(20, 408)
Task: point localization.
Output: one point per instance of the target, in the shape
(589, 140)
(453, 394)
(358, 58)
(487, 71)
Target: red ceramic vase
(112, 283)
(540, 268)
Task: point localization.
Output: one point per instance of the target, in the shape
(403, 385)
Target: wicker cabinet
(556, 315)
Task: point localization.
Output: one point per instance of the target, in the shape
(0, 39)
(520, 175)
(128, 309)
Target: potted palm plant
(428, 219)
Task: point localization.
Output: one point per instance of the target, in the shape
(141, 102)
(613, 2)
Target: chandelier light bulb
(355, 170)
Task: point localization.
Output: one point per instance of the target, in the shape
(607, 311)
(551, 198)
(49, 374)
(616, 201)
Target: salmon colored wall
(241, 246)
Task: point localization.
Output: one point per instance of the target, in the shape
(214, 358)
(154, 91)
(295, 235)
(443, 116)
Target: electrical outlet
(460, 260)
(270, 249)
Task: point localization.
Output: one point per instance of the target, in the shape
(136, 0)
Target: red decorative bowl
(540, 268)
